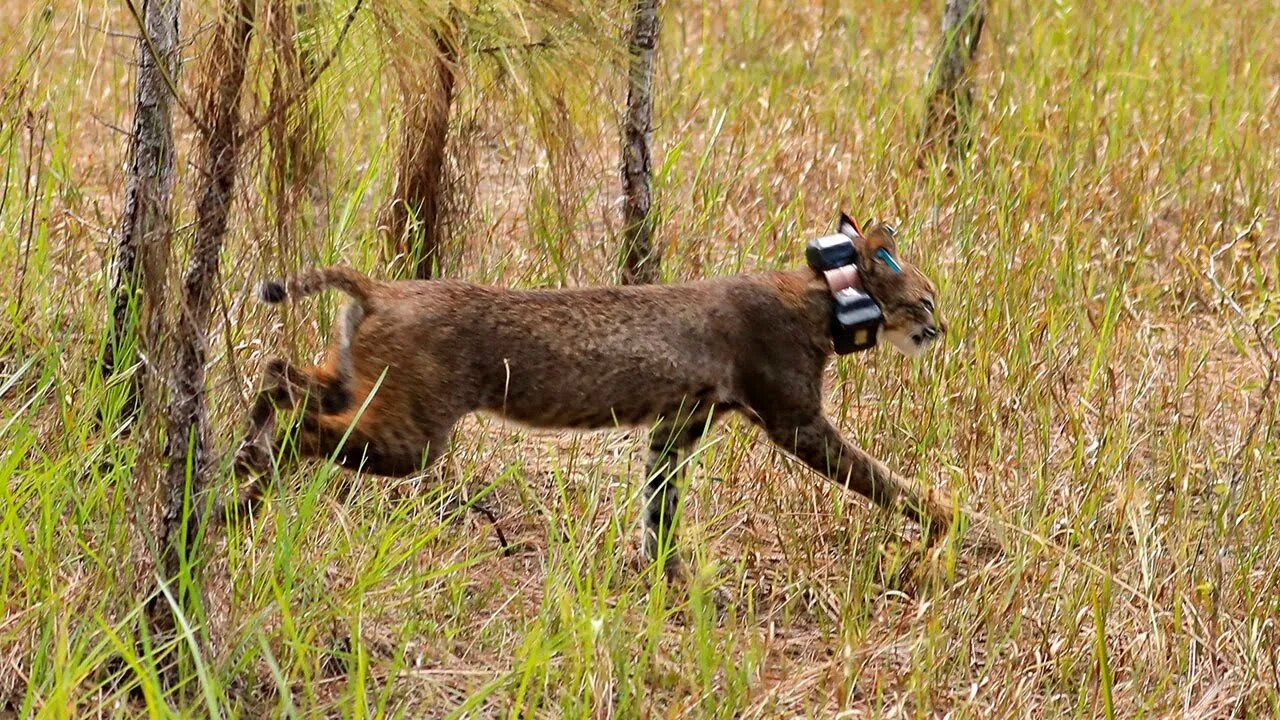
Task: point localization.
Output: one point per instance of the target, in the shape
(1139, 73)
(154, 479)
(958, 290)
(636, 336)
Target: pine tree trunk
(411, 220)
(950, 104)
(640, 259)
(143, 236)
(186, 472)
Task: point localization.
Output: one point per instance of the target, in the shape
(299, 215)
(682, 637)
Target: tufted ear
(847, 227)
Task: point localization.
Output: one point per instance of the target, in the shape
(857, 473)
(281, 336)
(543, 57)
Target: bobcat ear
(881, 237)
(847, 227)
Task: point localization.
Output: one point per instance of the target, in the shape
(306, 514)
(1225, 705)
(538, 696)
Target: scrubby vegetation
(1107, 258)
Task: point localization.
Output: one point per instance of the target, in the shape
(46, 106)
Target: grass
(1107, 259)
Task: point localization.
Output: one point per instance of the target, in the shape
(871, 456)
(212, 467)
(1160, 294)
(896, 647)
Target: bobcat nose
(930, 333)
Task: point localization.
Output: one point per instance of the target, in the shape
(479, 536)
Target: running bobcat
(660, 355)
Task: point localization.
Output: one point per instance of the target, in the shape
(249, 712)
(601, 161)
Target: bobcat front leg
(815, 441)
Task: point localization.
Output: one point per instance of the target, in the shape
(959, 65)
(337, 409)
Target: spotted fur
(672, 357)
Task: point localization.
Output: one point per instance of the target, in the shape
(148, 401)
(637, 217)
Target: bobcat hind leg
(283, 388)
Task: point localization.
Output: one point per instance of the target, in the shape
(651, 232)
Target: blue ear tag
(888, 260)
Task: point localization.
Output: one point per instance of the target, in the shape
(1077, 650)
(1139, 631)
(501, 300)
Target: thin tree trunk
(185, 475)
(950, 104)
(143, 237)
(411, 220)
(640, 259)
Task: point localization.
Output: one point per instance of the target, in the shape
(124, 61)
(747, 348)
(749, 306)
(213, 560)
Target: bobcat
(668, 356)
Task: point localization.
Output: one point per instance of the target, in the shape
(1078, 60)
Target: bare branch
(276, 109)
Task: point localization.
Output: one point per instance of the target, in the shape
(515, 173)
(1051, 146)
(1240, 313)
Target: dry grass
(1108, 263)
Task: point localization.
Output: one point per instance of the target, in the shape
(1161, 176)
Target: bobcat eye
(928, 304)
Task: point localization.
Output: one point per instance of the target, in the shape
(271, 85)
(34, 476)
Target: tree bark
(640, 259)
(411, 221)
(143, 237)
(186, 472)
(950, 104)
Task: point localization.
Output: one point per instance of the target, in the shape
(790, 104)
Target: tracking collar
(856, 316)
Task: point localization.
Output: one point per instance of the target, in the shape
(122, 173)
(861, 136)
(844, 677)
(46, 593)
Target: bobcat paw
(252, 459)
